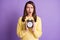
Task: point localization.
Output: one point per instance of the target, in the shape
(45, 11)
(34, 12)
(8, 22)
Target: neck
(30, 15)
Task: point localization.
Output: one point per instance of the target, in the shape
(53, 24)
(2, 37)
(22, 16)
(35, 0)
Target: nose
(29, 9)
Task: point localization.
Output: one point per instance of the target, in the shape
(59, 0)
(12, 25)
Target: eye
(27, 7)
(31, 7)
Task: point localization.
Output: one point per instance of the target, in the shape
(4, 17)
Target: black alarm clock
(30, 23)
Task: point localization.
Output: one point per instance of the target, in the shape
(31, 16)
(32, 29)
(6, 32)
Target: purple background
(48, 10)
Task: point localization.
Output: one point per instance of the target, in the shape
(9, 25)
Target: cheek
(32, 10)
(27, 9)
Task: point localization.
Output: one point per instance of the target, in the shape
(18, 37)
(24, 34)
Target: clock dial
(29, 24)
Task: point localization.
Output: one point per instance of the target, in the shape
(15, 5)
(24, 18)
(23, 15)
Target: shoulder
(38, 18)
(20, 19)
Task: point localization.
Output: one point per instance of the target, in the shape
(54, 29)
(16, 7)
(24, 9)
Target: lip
(29, 12)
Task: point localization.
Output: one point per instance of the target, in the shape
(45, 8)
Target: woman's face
(29, 9)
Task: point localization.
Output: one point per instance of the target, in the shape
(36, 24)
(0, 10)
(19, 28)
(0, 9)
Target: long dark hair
(25, 12)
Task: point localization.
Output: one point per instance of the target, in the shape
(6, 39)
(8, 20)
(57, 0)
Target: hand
(26, 28)
(33, 29)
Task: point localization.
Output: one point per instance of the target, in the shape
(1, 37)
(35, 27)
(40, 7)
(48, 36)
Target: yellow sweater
(28, 35)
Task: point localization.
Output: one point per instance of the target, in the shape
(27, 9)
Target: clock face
(29, 24)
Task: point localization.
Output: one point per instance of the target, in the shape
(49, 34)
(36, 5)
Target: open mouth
(29, 12)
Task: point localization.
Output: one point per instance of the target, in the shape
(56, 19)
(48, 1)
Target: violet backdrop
(48, 10)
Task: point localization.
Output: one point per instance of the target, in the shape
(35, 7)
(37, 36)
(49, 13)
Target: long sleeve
(38, 28)
(20, 32)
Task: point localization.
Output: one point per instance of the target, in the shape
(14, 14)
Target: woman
(23, 31)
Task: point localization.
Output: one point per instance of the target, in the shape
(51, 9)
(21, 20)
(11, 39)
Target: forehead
(29, 5)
